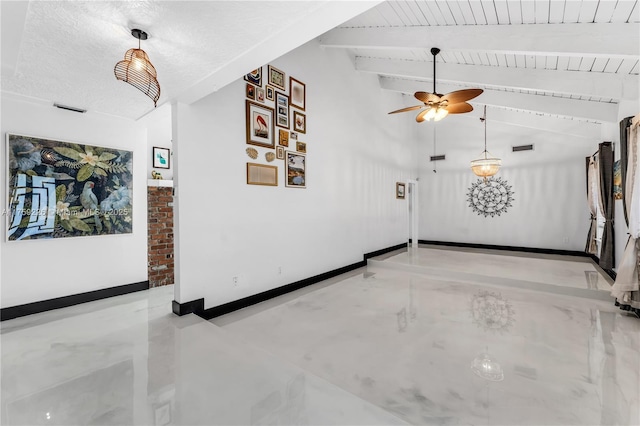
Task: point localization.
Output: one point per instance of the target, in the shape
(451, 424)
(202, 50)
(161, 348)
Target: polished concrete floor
(404, 340)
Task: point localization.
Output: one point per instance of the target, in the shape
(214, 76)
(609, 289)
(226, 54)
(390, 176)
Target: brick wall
(160, 245)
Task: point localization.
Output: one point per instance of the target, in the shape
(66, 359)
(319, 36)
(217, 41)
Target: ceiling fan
(438, 106)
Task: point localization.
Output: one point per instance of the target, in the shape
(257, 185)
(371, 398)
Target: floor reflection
(492, 312)
(381, 347)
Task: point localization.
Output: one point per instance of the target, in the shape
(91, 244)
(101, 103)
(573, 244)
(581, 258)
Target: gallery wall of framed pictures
(275, 112)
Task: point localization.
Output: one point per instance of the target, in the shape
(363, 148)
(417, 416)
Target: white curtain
(593, 198)
(626, 289)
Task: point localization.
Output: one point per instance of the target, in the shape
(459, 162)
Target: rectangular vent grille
(69, 108)
(437, 157)
(523, 148)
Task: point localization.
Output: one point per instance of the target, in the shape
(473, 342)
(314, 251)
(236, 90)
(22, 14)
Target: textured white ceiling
(65, 51)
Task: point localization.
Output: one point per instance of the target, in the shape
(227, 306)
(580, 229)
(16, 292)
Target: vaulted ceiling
(567, 59)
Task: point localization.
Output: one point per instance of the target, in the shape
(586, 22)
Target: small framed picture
(260, 94)
(251, 91)
(299, 122)
(255, 77)
(296, 170)
(298, 93)
(276, 78)
(282, 110)
(301, 147)
(270, 92)
(400, 190)
(294, 136)
(161, 158)
(280, 152)
(260, 130)
(284, 138)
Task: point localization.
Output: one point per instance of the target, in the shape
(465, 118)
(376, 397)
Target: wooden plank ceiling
(574, 59)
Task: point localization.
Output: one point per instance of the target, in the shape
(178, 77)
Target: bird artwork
(261, 129)
(90, 187)
(90, 202)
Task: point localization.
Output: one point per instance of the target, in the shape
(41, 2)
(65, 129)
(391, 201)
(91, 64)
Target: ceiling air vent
(69, 108)
(437, 157)
(523, 148)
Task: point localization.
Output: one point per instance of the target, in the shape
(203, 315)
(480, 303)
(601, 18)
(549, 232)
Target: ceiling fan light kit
(439, 106)
(137, 70)
(486, 165)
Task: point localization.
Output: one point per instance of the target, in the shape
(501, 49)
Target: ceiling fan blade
(459, 108)
(411, 108)
(420, 117)
(461, 95)
(427, 97)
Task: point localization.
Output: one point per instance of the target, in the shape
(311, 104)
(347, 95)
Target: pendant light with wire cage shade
(137, 70)
(486, 165)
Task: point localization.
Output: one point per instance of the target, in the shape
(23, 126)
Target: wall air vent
(70, 108)
(437, 157)
(522, 148)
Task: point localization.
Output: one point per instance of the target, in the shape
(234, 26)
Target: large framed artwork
(296, 170)
(61, 189)
(260, 127)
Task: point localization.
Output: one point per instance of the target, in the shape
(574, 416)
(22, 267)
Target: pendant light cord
(484, 118)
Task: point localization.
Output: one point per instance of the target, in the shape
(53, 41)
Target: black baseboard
(66, 301)
(197, 306)
(507, 248)
(217, 311)
(593, 257)
(193, 306)
(384, 251)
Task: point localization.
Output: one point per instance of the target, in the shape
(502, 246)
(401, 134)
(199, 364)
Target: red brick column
(160, 227)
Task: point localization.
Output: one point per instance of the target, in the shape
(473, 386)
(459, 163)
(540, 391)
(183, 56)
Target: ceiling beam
(580, 39)
(590, 84)
(598, 111)
(544, 123)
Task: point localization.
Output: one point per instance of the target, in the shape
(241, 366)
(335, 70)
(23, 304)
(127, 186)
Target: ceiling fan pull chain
(434, 148)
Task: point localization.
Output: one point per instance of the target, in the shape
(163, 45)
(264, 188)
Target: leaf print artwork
(61, 189)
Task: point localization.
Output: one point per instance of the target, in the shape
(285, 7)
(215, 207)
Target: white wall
(226, 228)
(549, 208)
(44, 269)
(158, 124)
